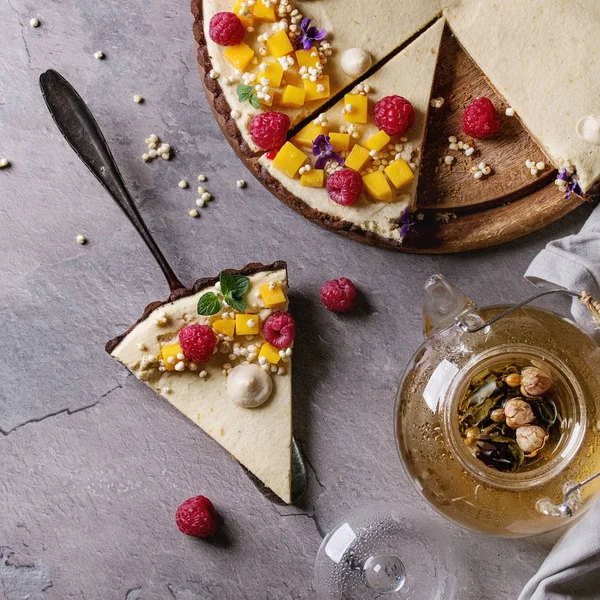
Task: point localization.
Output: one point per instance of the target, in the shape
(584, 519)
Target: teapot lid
(443, 305)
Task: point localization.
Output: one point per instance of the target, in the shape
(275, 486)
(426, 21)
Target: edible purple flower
(573, 186)
(406, 222)
(310, 35)
(324, 150)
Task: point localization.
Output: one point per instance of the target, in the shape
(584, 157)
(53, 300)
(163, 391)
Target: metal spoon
(78, 126)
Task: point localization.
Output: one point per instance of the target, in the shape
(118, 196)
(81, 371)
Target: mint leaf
(235, 284)
(254, 101)
(244, 92)
(208, 304)
(238, 304)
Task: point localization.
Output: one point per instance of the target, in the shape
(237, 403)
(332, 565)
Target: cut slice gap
(410, 74)
(452, 187)
(259, 438)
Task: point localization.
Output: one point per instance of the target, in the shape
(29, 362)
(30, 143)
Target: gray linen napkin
(572, 262)
(572, 569)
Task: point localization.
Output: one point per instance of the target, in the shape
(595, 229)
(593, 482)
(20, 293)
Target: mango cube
(314, 178)
(307, 135)
(378, 141)
(292, 96)
(357, 158)
(270, 353)
(268, 102)
(279, 44)
(246, 21)
(246, 324)
(224, 326)
(262, 12)
(377, 186)
(170, 355)
(317, 90)
(292, 77)
(340, 142)
(273, 72)
(272, 295)
(239, 56)
(289, 159)
(307, 58)
(359, 106)
(399, 173)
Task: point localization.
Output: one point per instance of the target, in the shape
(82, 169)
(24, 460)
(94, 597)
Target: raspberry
(339, 295)
(344, 186)
(394, 115)
(226, 29)
(197, 516)
(480, 119)
(280, 329)
(197, 342)
(269, 130)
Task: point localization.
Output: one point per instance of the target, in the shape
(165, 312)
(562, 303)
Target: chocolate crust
(199, 284)
(222, 112)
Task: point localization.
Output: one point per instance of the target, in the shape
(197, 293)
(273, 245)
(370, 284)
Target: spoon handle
(78, 126)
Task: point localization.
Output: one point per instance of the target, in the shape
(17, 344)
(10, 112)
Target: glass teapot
(466, 344)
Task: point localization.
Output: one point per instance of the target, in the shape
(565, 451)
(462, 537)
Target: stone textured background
(93, 464)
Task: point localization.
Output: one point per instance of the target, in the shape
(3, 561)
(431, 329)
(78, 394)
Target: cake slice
(371, 29)
(218, 369)
(388, 164)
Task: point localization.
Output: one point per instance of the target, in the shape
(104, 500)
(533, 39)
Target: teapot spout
(443, 305)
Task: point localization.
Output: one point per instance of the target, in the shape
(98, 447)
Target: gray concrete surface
(93, 464)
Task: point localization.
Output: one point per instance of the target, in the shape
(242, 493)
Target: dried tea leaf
(485, 391)
(479, 412)
(518, 456)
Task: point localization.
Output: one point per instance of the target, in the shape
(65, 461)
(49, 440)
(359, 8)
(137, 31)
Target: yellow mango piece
(340, 142)
(246, 21)
(272, 297)
(307, 58)
(314, 178)
(289, 159)
(378, 141)
(224, 326)
(292, 77)
(279, 44)
(270, 353)
(377, 186)
(399, 173)
(273, 72)
(317, 90)
(292, 96)
(268, 102)
(359, 108)
(262, 12)
(239, 56)
(169, 355)
(357, 158)
(307, 135)
(246, 324)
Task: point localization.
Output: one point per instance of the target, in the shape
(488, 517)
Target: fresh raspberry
(280, 329)
(394, 115)
(197, 516)
(344, 186)
(339, 295)
(226, 29)
(480, 119)
(197, 342)
(271, 154)
(268, 130)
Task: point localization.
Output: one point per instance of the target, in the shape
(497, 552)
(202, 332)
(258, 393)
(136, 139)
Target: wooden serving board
(456, 212)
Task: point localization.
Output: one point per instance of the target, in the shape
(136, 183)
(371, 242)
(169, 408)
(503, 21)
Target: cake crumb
(81, 239)
(99, 55)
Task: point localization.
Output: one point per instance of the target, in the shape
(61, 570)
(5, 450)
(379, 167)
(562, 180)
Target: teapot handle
(470, 328)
